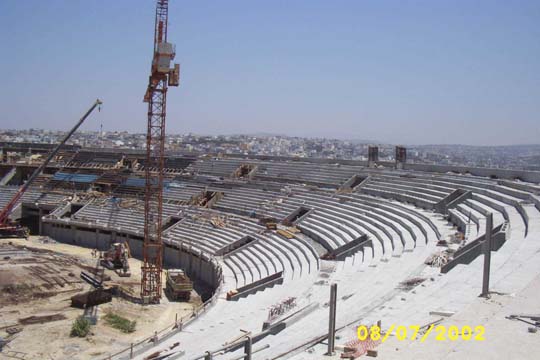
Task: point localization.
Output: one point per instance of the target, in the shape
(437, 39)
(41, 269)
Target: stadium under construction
(266, 237)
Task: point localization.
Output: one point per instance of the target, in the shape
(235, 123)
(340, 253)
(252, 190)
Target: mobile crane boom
(10, 229)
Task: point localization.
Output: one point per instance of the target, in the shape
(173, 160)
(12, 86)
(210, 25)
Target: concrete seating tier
(434, 192)
(402, 237)
(222, 167)
(298, 172)
(89, 159)
(115, 216)
(336, 219)
(197, 231)
(181, 194)
(245, 200)
(295, 172)
(270, 254)
(426, 190)
(402, 195)
(32, 196)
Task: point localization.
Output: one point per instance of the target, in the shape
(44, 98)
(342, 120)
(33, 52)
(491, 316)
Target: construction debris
(533, 320)
(534, 317)
(13, 330)
(40, 319)
(285, 234)
(91, 298)
(271, 226)
(442, 313)
(281, 308)
(269, 222)
(411, 283)
(293, 230)
(356, 348)
(96, 283)
(238, 338)
(372, 353)
(437, 260)
(218, 222)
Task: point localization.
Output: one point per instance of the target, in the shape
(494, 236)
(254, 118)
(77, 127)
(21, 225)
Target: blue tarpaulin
(140, 182)
(82, 178)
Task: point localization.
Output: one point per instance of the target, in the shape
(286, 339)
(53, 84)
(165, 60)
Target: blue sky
(410, 72)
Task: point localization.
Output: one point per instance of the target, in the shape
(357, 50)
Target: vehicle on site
(10, 228)
(178, 286)
(116, 258)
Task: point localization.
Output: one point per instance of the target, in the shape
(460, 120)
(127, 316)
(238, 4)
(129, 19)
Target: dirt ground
(39, 278)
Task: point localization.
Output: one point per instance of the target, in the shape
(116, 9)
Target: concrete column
(373, 156)
(487, 255)
(332, 320)
(247, 348)
(401, 156)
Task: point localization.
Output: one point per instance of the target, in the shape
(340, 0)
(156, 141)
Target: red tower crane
(161, 76)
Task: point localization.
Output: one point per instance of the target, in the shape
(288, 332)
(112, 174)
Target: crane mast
(161, 76)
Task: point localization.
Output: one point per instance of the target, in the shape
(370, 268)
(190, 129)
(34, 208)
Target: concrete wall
(199, 266)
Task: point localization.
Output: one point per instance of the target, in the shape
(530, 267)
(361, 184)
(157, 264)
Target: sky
(402, 72)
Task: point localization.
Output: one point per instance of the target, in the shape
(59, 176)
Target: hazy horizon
(415, 73)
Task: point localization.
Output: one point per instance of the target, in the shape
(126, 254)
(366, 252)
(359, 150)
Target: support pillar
(332, 320)
(487, 255)
(401, 156)
(373, 156)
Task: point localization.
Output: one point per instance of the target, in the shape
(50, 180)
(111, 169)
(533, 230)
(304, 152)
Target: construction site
(43, 294)
(128, 254)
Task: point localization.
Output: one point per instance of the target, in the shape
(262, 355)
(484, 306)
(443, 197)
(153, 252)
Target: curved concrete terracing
(367, 230)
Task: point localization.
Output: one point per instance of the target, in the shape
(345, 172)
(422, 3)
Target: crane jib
(6, 211)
